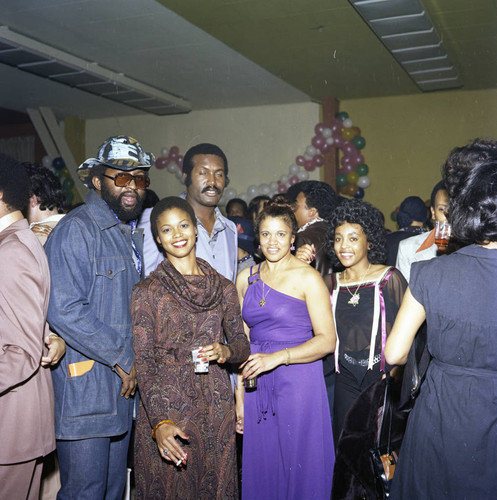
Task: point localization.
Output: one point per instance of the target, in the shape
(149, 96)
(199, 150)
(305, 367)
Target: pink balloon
(349, 168)
(309, 165)
(161, 162)
(346, 160)
(349, 149)
(341, 170)
(318, 141)
(338, 141)
(293, 180)
(173, 155)
(300, 160)
(357, 159)
(319, 129)
(174, 149)
(281, 188)
(179, 161)
(318, 160)
(326, 148)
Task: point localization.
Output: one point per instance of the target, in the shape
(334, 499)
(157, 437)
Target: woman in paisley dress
(185, 431)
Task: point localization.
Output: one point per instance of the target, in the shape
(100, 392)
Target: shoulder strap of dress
(254, 277)
(386, 276)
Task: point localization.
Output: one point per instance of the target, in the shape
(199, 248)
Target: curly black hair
(318, 195)
(46, 186)
(166, 204)
(470, 175)
(253, 206)
(278, 209)
(370, 219)
(14, 183)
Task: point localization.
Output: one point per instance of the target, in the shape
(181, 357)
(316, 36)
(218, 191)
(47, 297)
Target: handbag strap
(386, 410)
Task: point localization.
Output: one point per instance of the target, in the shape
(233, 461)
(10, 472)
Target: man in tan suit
(26, 394)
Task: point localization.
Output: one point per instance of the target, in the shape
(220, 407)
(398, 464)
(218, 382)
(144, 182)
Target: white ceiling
(145, 41)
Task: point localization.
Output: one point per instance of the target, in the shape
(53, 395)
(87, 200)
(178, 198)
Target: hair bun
(280, 200)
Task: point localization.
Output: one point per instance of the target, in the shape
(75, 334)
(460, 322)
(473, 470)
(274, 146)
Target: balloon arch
(352, 176)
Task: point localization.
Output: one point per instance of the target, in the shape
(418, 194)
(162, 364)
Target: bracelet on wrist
(162, 422)
(288, 356)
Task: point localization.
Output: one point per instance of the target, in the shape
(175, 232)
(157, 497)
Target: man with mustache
(95, 258)
(205, 172)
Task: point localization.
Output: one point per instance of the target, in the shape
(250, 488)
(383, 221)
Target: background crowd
(144, 334)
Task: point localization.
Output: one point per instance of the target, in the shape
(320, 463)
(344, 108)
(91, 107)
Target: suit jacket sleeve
(22, 315)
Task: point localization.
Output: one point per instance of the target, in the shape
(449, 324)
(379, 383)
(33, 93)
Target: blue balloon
(360, 193)
(58, 163)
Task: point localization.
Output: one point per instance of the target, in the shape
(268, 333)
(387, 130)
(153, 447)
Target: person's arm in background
(22, 315)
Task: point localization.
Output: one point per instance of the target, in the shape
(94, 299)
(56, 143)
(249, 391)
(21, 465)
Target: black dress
(450, 446)
(360, 340)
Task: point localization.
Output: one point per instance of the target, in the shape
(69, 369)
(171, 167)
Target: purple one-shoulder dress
(288, 448)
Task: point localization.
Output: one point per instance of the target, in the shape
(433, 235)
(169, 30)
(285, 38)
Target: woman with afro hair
(365, 296)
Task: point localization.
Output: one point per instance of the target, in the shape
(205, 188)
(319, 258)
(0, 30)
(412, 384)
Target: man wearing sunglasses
(95, 258)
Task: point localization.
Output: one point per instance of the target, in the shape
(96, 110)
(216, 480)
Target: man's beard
(115, 203)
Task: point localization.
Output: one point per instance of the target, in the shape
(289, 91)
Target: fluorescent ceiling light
(406, 30)
(42, 60)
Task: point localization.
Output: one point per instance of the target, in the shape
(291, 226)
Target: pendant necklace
(262, 302)
(354, 297)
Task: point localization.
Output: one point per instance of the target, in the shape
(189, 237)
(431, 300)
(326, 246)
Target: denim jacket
(92, 274)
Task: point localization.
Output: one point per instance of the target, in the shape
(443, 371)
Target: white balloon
(245, 197)
(46, 161)
(164, 152)
(347, 123)
(308, 157)
(326, 133)
(284, 179)
(222, 201)
(173, 168)
(179, 176)
(311, 151)
(293, 169)
(303, 176)
(363, 181)
(330, 140)
(273, 186)
(230, 193)
(252, 191)
(264, 189)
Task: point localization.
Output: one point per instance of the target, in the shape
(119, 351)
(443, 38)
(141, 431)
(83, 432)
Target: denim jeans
(93, 469)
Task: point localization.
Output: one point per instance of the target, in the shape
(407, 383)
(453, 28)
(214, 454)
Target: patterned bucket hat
(121, 152)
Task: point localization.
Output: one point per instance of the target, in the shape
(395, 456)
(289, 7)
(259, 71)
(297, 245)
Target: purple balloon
(300, 160)
(293, 180)
(318, 141)
(319, 129)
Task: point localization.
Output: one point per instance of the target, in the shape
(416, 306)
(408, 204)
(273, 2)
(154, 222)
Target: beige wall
(260, 142)
(408, 139)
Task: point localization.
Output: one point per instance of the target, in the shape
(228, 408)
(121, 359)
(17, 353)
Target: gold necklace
(262, 302)
(354, 297)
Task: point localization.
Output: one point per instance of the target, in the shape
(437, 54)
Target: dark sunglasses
(123, 179)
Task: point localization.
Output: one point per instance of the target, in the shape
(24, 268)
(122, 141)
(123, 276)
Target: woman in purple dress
(449, 449)
(287, 444)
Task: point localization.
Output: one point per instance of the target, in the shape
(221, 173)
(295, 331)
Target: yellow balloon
(348, 134)
(353, 177)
